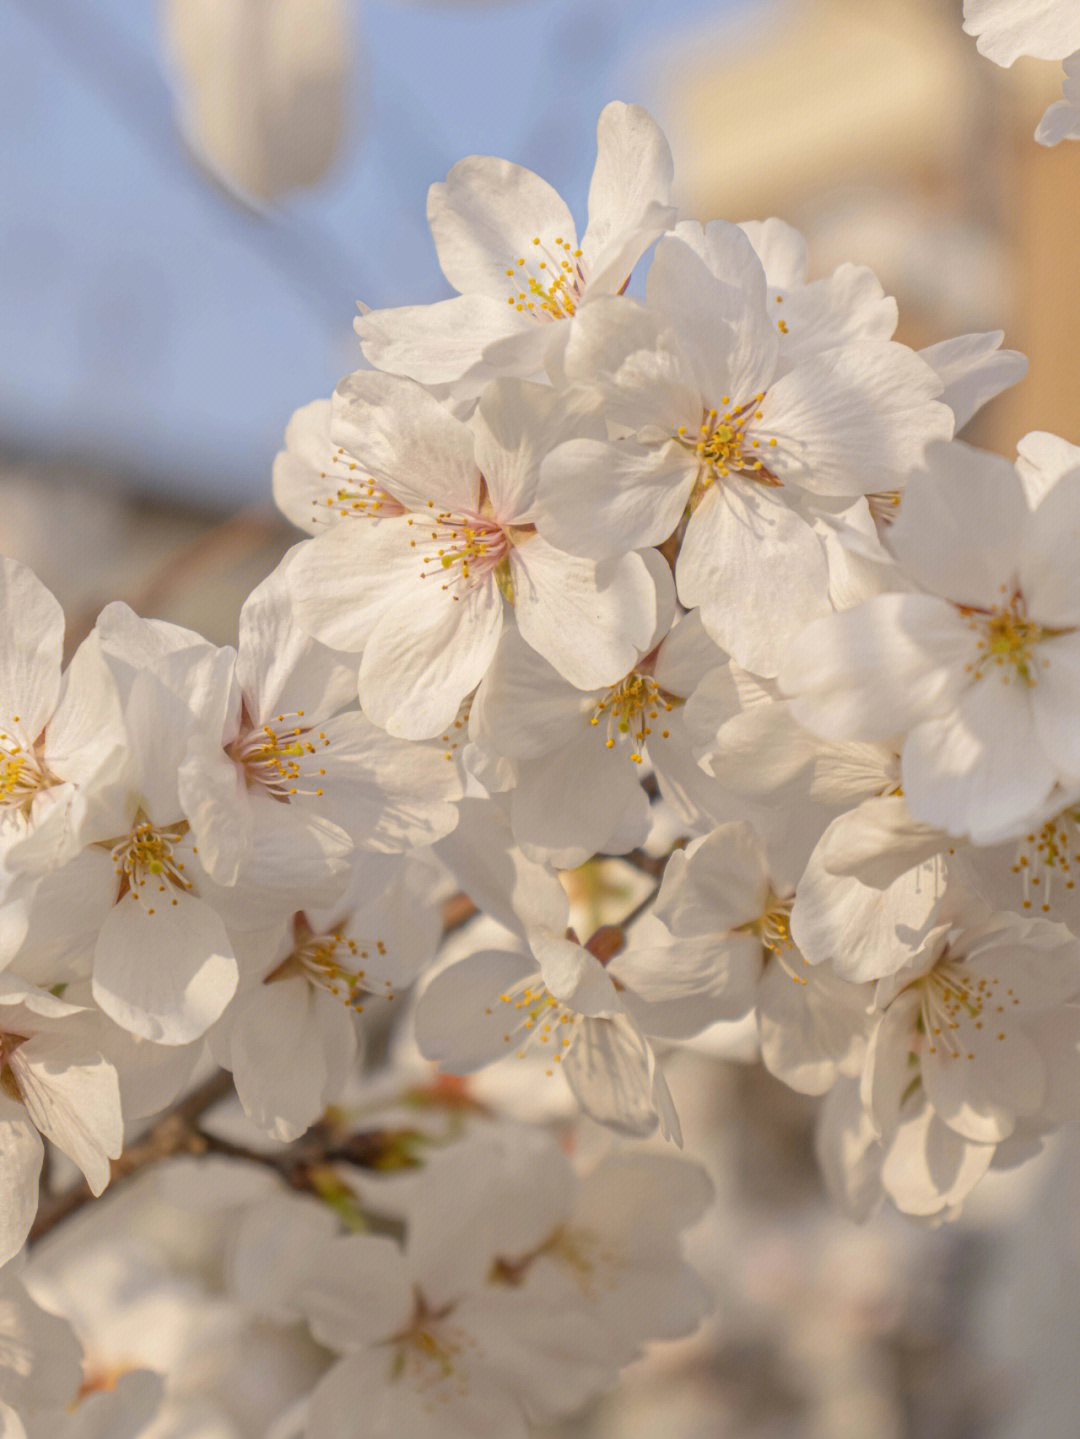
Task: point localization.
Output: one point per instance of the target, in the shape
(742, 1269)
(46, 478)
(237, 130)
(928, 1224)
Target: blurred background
(194, 196)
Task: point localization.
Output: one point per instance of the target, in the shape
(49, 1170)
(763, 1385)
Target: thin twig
(173, 1134)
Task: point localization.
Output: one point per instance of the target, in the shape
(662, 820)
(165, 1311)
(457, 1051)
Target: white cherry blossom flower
(616, 1249)
(595, 1022)
(430, 1351)
(56, 1083)
(61, 735)
(718, 891)
(980, 672)
(317, 483)
(290, 1036)
(957, 1022)
(425, 597)
(279, 796)
(163, 964)
(714, 426)
(507, 243)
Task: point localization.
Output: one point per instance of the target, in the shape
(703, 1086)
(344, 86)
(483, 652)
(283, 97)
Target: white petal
(878, 841)
(614, 1075)
(387, 794)
(980, 770)
(1055, 702)
(741, 539)
(717, 885)
(420, 662)
(393, 1407)
(1007, 29)
(21, 1153)
(460, 1021)
(517, 892)
(355, 1291)
(873, 672)
(281, 668)
(442, 342)
(621, 348)
(974, 368)
(593, 623)
(301, 479)
(933, 540)
(581, 798)
(630, 181)
(712, 286)
(601, 498)
(402, 436)
(290, 1050)
(74, 1099)
(33, 628)
(781, 250)
(810, 1026)
(848, 1152)
(929, 1167)
(486, 215)
(980, 1091)
(865, 410)
(164, 976)
(524, 709)
(1046, 573)
(863, 932)
(677, 991)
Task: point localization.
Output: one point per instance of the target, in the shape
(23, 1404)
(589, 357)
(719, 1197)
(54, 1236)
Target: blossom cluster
(486, 1283)
(646, 548)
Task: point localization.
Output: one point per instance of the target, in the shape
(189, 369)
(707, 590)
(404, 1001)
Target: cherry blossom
(714, 426)
(975, 664)
(425, 597)
(507, 243)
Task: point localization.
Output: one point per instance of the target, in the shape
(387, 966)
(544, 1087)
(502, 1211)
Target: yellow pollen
(628, 707)
(1007, 639)
(553, 286)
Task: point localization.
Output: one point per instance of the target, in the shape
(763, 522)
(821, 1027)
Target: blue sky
(147, 326)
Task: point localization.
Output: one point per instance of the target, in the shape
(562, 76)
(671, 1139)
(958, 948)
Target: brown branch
(302, 1165)
(178, 1132)
(174, 1134)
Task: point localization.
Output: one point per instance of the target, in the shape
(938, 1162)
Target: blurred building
(883, 134)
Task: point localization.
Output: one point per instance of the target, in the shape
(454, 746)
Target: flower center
(146, 865)
(628, 707)
(536, 1017)
(22, 774)
(331, 961)
(463, 550)
(953, 997)
(1047, 856)
(1006, 638)
(429, 1351)
(9, 1085)
(549, 282)
(773, 927)
(277, 757)
(357, 498)
(724, 444)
